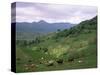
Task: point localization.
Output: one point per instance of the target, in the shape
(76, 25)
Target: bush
(60, 61)
(72, 55)
(18, 59)
(29, 60)
(70, 59)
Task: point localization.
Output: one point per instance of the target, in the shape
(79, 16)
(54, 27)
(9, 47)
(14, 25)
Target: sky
(30, 12)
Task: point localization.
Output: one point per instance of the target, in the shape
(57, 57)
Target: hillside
(84, 27)
(72, 48)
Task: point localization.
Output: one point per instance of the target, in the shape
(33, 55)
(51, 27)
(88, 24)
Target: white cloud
(26, 12)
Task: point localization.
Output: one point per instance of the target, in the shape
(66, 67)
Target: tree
(58, 30)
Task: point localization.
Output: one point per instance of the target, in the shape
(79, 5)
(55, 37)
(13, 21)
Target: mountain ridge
(41, 26)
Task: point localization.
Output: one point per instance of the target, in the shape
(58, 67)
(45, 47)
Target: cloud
(29, 12)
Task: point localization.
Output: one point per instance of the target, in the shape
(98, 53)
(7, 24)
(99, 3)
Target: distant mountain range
(41, 26)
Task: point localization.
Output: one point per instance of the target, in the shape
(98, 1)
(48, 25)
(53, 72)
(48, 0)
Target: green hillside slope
(73, 48)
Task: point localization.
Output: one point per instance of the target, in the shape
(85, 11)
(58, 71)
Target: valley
(62, 48)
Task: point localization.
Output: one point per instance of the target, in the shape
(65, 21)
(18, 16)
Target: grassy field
(56, 51)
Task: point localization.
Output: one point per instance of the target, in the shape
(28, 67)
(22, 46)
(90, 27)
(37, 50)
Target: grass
(80, 48)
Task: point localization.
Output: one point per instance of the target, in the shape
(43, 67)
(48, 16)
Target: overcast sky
(30, 12)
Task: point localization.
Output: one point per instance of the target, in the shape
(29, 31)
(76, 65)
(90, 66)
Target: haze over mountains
(41, 26)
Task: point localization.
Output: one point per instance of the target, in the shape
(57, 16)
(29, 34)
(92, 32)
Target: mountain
(41, 26)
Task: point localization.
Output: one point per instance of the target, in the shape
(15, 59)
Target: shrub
(72, 55)
(45, 49)
(70, 59)
(60, 61)
(29, 60)
(18, 59)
